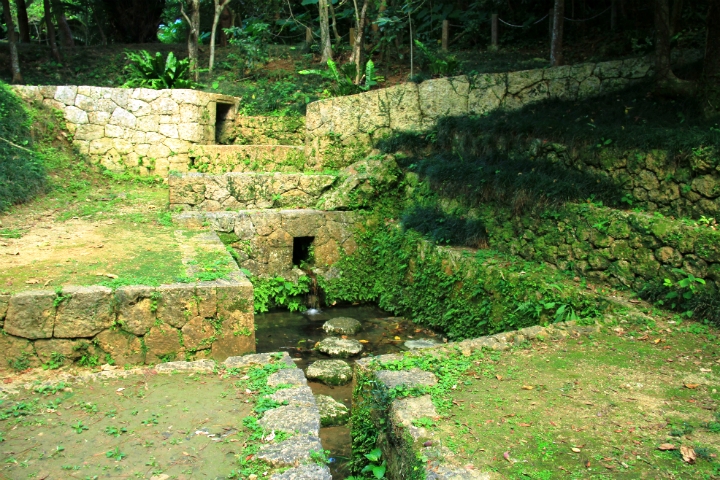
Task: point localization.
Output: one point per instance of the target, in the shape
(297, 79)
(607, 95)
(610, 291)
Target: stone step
(237, 191)
(246, 158)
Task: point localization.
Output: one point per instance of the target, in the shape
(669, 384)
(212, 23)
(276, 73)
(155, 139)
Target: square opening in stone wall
(223, 115)
(302, 250)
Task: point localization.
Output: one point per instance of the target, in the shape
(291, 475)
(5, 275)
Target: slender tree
(358, 51)
(325, 44)
(338, 38)
(66, 35)
(219, 7)
(556, 46)
(12, 40)
(667, 82)
(193, 20)
(23, 23)
(51, 31)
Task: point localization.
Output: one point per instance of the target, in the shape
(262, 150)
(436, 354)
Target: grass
(597, 407)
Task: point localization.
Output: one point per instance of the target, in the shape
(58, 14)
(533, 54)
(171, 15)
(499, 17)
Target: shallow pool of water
(297, 334)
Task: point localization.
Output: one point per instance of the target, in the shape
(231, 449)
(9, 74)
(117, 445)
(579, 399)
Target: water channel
(297, 334)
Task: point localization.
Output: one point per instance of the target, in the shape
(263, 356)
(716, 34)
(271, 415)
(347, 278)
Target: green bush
(22, 171)
(156, 72)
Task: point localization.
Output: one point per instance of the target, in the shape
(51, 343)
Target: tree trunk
(218, 12)
(103, 38)
(66, 36)
(23, 23)
(325, 44)
(556, 47)
(676, 16)
(667, 82)
(711, 66)
(358, 52)
(51, 31)
(227, 20)
(193, 36)
(338, 38)
(12, 40)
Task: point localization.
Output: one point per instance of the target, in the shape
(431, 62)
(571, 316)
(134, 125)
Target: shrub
(154, 72)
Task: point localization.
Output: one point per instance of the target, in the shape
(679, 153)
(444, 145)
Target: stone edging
(399, 443)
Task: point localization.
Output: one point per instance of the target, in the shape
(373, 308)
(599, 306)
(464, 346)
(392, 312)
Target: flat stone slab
(287, 376)
(408, 378)
(330, 372)
(342, 326)
(258, 359)
(422, 343)
(305, 472)
(292, 419)
(196, 366)
(300, 396)
(404, 410)
(340, 347)
(290, 452)
(332, 412)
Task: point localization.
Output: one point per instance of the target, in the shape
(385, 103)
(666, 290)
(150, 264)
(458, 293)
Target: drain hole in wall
(302, 250)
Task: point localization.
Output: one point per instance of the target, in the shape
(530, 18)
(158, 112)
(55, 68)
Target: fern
(158, 73)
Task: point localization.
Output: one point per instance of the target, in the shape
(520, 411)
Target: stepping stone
(342, 326)
(292, 419)
(332, 412)
(422, 343)
(290, 452)
(408, 378)
(330, 372)
(340, 347)
(305, 472)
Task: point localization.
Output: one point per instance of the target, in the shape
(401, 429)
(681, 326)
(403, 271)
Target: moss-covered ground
(184, 425)
(639, 399)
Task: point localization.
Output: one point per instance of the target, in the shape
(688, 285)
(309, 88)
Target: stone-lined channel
(298, 335)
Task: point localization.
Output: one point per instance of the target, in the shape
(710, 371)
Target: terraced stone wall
(622, 248)
(263, 131)
(131, 324)
(263, 239)
(340, 129)
(234, 191)
(141, 130)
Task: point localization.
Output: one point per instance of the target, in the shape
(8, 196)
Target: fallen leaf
(666, 446)
(705, 370)
(506, 456)
(397, 338)
(32, 281)
(692, 386)
(499, 377)
(363, 341)
(576, 450)
(688, 454)
(658, 341)
(524, 424)
(344, 337)
(13, 253)
(527, 387)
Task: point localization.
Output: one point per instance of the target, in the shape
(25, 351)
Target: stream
(297, 334)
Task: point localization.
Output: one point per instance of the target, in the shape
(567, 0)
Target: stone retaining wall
(263, 131)
(131, 324)
(621, 248)
(143, 130)
(247, 158)
(232, 191)
(401, 441)
(263, 240)
(347, 125)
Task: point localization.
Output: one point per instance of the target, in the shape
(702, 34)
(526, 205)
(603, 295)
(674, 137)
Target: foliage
(439, 64)
(439, 227)
(156, 72)
(22, 171)
(461, 294)
(344, 77)
(272, 292)
(251, 41)
(56, 361)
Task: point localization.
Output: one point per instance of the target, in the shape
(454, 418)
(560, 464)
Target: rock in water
(342, 326)
(422, 343)
(340, 347)
(332, 412)
(330, 372)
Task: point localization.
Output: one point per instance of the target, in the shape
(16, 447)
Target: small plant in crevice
(55, 361)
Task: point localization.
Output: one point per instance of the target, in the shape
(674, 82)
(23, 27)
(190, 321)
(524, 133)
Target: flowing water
(297, 334)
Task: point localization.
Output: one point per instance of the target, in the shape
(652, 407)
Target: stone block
(31, 314)
(100, 146)
(123, 118)
(98, 118)
(139, 108)
(146, 94)
(4, 300)
(198, 334)
(192, 132)
(148, 123)
(293, 451)
(237, 337)
(134, 306)
(444, 97)
(164, 106)
(121, 96)
(66, 95)
(292, 419)
(176, 304)
(70, 349)
(114, 131)
(162, 343)
(177, 146)
(14, 350)
(311, 471)
(408, 378)
(404, 411)
(86, 312)
(123, 347)
(75, 115)
(89, 132)
(168, 130)
(192, 97)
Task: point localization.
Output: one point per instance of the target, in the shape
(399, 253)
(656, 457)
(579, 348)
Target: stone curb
(403, 411)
